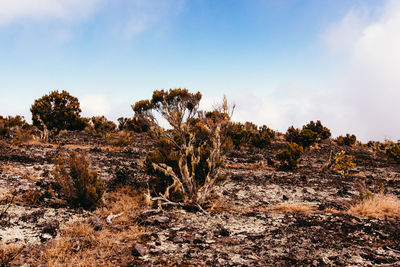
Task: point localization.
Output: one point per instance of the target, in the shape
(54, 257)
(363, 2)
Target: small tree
(58, 111)
(188, 156)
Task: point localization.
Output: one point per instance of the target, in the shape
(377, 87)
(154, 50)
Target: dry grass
(88, 147)
(261, 165)
(292, 208)
(79, 244)
(380, 206)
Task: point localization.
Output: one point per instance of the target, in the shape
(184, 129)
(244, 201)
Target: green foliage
(309, 135)
(185, 164)
(304, 138)
(290, 157)
(317, 127)
(79, 185)
(393, 151)
(343, 163)
(58, 111)
(102, 126)
(348, 140)
(249, 133)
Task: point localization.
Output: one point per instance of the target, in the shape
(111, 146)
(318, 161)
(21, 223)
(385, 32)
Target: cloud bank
(15, 11)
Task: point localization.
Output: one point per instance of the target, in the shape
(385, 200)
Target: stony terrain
(243, 227)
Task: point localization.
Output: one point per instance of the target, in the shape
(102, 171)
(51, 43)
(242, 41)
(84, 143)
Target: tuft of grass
(293, 208)
(378, 206)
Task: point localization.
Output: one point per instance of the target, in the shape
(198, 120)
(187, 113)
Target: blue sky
(281, 62)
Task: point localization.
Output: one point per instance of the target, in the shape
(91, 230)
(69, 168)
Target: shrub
(348, 140)
(79, 185)
(317, 127)
(102, 126)
(58, 111)
(249, 133)
(290, 157)
(238, 134)
(185, 163)
(343, 163)
(393, 151)
(137, 124)
(304, 138)
(7, 123)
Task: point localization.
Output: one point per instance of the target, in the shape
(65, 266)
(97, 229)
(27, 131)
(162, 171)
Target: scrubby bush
(137, 124)
(309, 135)
(57, 111)
(102, 126)
(393, 151)
(343, 163)
(348, 140)
(249, 133)
(7, 123)
(185, 163)
(290, 157)
(79, 185)
(317, 127)
(304, 138)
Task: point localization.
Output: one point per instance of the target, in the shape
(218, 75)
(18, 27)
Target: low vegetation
(290, 157)
(79, 185)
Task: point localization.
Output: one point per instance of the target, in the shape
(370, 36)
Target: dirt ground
(250, 223)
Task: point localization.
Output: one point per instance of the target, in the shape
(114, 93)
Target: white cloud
(370, 89)
(94, 105)
(42, 10)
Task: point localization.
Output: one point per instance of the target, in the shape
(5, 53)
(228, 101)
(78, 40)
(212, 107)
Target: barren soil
(241, 229)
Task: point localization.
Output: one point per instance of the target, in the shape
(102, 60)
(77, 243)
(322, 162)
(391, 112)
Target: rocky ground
(247, 224)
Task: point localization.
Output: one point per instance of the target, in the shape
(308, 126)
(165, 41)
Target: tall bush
(185, 164)
(58, 111)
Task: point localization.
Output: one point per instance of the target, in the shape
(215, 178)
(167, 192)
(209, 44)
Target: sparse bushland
(102, 127)
(186, 162)
(348, 140)
(79, 185)
(57, 111)
(290, 157)
(310, 134)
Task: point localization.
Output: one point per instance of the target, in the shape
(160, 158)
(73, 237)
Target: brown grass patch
(79, 244)
(261, 165)
(380, 206)
(292, 208)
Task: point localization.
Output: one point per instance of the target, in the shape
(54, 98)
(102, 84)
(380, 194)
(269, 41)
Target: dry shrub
(293, 208)
(8, 254)
(80, 186)
(378, 206)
